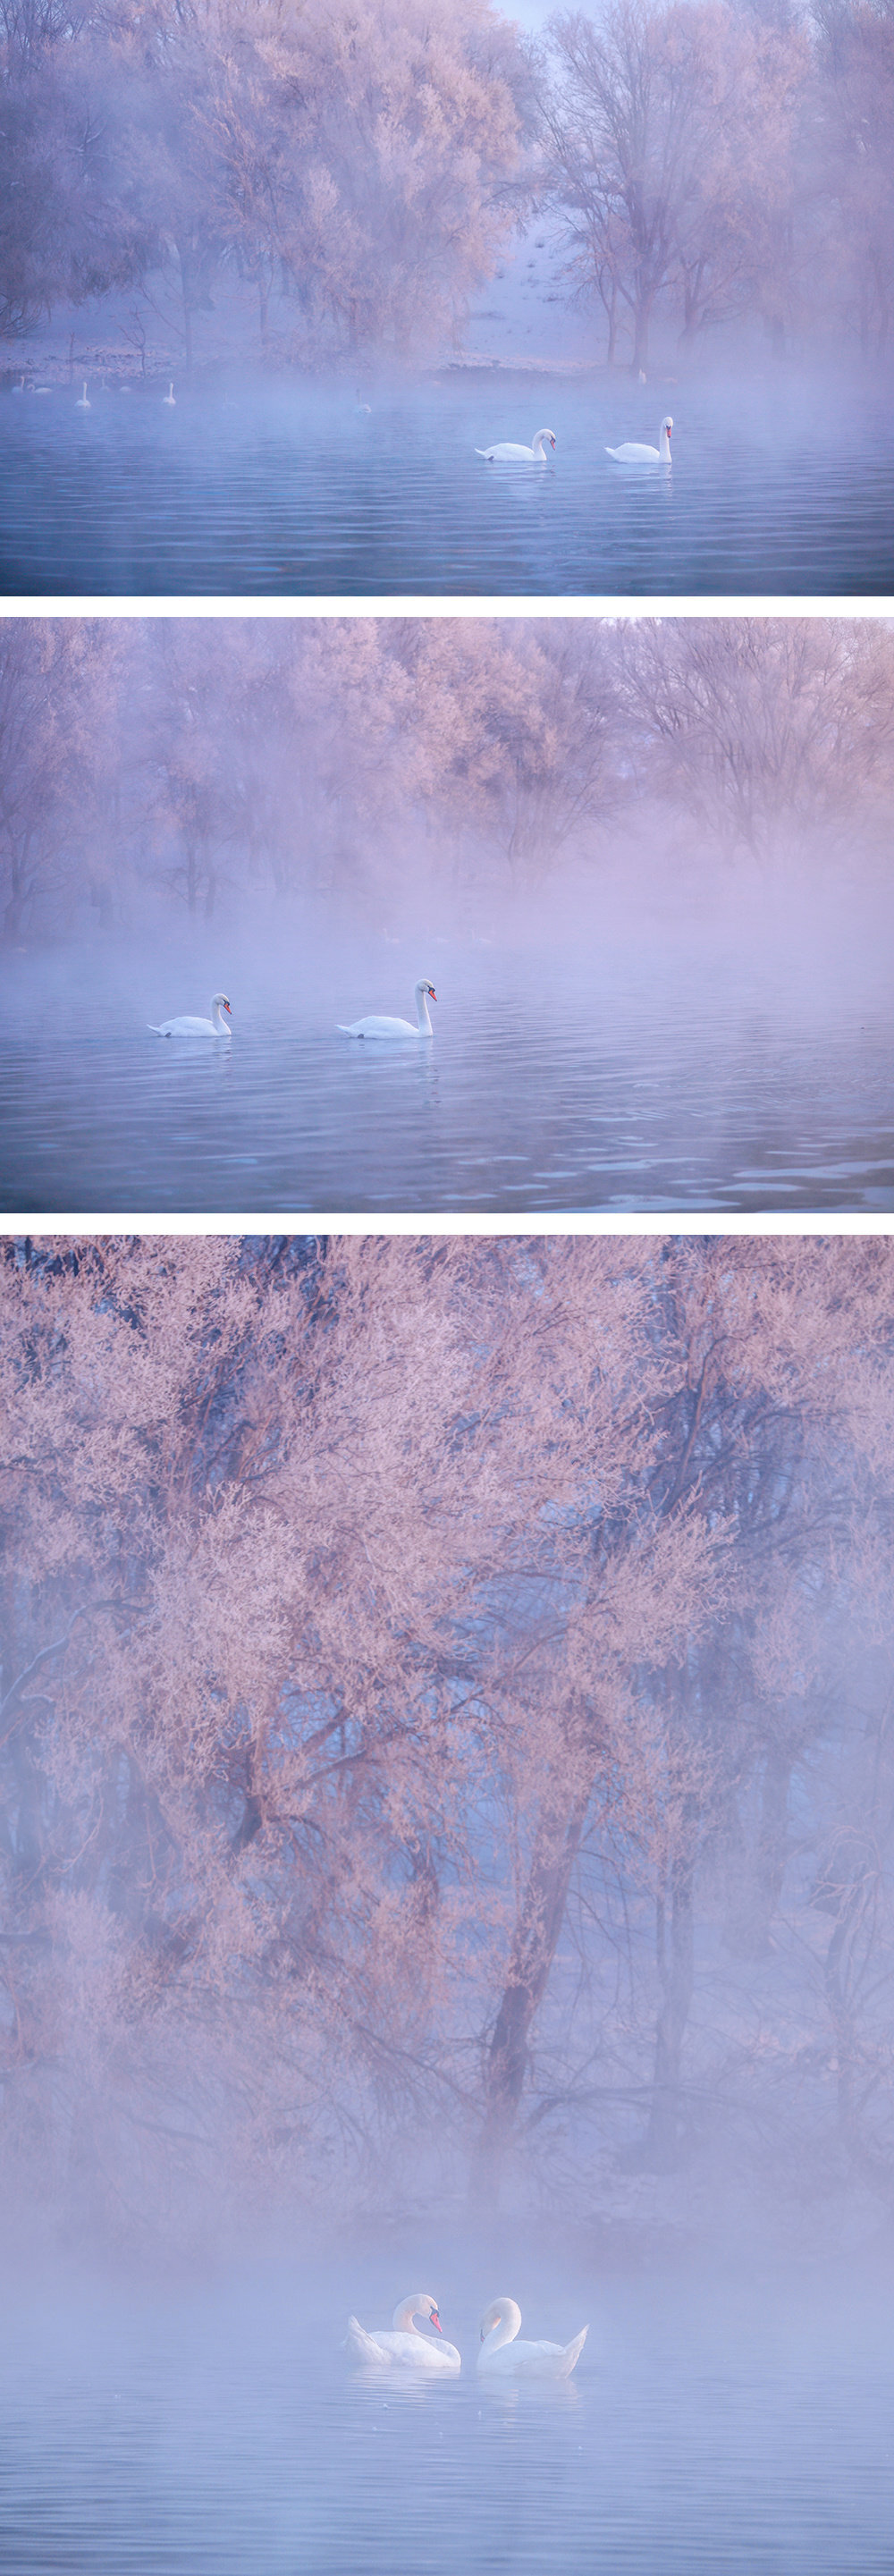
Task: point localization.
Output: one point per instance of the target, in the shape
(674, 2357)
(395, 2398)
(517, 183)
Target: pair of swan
(501, 2355)
(196, 1028)
(375, 1026)
(635, 452)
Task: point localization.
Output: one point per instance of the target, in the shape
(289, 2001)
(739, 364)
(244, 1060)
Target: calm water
(785, 490)
(644, 1085)
(718, 2439)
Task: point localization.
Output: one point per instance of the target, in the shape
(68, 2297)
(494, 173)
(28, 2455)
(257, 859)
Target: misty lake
(218, 2429)
(633, 1079)
(777, 486)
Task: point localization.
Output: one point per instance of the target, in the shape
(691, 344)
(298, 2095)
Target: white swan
(83, 401)
(169, 396)
(401, 2346)
(377, 1027)
(195, 1028)
(508, 454)
(633, 453)
(502, 2356)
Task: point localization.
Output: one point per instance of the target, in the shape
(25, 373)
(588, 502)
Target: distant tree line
(184, 759)
(366, 160)
(446, 1719)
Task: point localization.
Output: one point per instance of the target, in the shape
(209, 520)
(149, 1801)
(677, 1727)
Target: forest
(446, 1751)
(169, 767)
(353, 170)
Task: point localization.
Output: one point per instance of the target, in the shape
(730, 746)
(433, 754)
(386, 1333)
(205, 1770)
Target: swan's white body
(83, 401)
(401, 2346)
(508, 454)
(633, 453)
(377, 1027)
(169, 396)
(195, 1028)
(503, 2357)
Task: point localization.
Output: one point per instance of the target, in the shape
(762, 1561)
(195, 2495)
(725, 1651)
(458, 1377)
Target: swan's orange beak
(226, 1007)
(434, 2320)
(552, 440)
(432, 994)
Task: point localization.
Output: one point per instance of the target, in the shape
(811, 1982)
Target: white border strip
(336, 1221)
(618, 606)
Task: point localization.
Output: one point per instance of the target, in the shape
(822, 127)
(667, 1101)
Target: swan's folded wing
(363, 2346)
(572, 2352)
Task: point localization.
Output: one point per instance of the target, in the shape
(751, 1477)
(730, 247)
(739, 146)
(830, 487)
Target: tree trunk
(537, 1930)
(748, 1930)
(660, 2145)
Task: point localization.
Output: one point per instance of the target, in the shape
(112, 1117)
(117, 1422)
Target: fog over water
(714, 2422)
(585, 1058)
(447, 1782)
(782, 481)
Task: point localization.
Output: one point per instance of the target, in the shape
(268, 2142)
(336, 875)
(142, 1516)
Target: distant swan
(502, 2356)
(402, 2345)
(508, 454)
(635, 454)
(195, 1028)
(169, 396)
(377, 1027)
(83, 401)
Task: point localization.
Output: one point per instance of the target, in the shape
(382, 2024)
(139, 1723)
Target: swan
(508, 454)
(633, 453)
(377, 1027)
(18, 389)
(169, 396)
(83, 401)
(506, 2359)
(195, 1028)
(402, 2345)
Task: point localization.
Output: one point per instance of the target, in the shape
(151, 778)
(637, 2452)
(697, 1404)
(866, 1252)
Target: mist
(643, 863)
(446, 1798)
(352, 200)
(344, 267)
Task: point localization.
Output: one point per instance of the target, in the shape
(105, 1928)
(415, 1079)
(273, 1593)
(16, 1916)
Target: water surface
(290, 491)
(221, 2431)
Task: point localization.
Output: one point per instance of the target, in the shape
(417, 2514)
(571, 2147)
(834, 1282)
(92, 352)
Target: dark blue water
(222, 2432)
(619, 1080)
(775, 490)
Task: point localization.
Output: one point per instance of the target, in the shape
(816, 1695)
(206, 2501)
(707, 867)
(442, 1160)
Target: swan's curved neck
(407, 2311)
(218, 1021)
(422, 1019)
(506, 2326)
